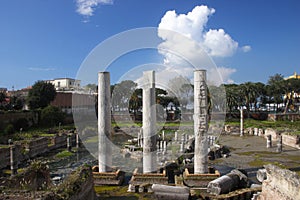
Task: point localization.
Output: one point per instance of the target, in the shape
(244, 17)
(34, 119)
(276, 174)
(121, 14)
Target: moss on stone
(64, 154)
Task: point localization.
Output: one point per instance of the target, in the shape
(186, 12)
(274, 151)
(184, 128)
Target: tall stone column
(13, 161)
(149, 123)
(242, 122)
(104, 122)
(200, 122)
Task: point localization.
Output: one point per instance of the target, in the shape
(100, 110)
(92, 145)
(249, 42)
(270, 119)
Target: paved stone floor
(250, 152)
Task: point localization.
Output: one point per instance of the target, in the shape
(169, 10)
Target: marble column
(200, 122)
(13, 165)
(242, 122)
(104, 122)
(149, 123)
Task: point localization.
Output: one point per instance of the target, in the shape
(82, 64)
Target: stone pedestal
(199, 180)
(116, 177)
(142, 182)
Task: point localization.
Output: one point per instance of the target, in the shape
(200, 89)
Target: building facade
(65, 84)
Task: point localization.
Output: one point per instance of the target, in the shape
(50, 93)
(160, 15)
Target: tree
(51, 116)
(91, 87)
(40, 95)
(232, 97)
(135, 102)
(291, 90)
(275, 89)
(2, 97)
(121, 95)
(181, 88)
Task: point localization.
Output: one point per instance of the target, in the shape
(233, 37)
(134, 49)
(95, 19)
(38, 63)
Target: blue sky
(42, 40)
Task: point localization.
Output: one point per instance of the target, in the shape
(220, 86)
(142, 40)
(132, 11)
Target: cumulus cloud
(87, 7)
(188, 43)
(219, 44)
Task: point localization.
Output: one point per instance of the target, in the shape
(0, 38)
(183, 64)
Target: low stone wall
(291, 140)
(31, 148)
(281, 116)
(280, 184)
(36, 147)
(4, 157)
(274, 134)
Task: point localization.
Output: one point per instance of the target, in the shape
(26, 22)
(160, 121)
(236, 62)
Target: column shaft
(149, 123)
(200, 122)
(104, 122)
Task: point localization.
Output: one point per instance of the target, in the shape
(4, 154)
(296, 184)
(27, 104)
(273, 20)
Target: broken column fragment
(227, 183)
(170, 192)
(261, 175)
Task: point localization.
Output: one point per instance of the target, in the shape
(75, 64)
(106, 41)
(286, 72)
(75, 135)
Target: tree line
(277, 95)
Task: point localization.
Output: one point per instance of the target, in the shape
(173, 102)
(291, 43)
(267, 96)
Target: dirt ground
(250, 153)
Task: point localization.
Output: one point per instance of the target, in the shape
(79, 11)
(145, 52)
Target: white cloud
(193, 45)
(219, 44)
(41, 69)
(246, 48)
(87, 7)
(225, 74)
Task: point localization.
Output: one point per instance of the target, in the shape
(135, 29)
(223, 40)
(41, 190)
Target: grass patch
(293, 158)
(278, 125)
(93, 139)
(257, 153)
(47, 135)
(120, 192)
(64, 154)
(257, 162)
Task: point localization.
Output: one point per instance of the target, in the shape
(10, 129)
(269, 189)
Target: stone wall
(36, 147)
(78, 185)
(280, 184)
(282, 116)
(291, 140)
(31, 148)
(272, 132)
(4, 157)
(7, 118)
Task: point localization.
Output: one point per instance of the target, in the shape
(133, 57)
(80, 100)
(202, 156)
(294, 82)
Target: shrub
(21, 123)
(9, 129)
(51, 116)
